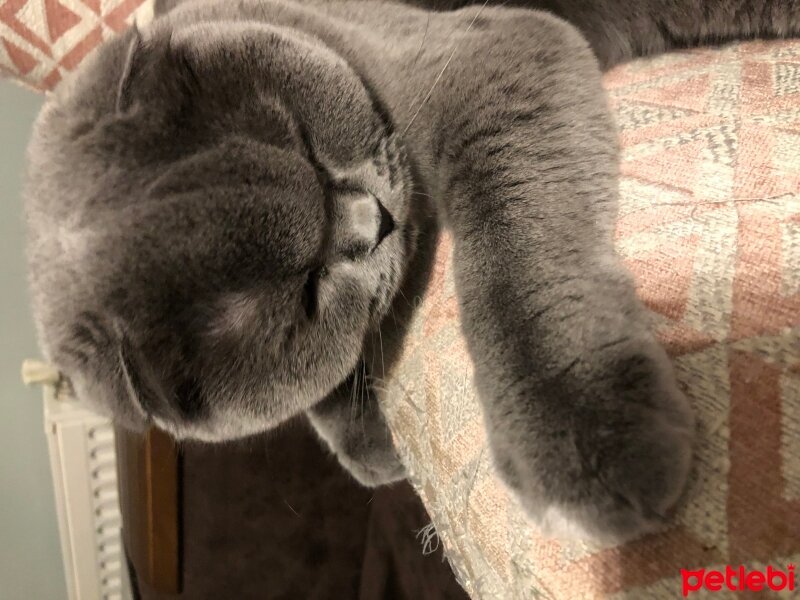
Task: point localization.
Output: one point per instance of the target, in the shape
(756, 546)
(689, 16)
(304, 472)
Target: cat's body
(228, 209)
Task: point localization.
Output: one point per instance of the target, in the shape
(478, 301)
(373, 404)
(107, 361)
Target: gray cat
(229, 208)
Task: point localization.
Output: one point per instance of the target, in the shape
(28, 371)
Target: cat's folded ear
(143, 390)
(109, 370)
(156, 72)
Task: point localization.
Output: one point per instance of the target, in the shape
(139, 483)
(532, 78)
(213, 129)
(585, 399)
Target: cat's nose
(386, 224)
(361, 223)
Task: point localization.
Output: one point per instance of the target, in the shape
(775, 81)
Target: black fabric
(275, 517)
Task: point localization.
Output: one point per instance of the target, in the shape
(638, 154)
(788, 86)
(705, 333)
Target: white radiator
(84, 468)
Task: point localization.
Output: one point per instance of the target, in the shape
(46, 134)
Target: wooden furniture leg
(149, 475)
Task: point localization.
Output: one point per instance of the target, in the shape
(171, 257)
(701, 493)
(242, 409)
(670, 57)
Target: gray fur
(224, 208)
(351, 423)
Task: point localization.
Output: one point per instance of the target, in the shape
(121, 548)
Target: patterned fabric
(710, 224)
(41, 40)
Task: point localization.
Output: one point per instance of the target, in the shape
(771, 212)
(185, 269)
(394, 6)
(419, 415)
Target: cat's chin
(390, 279)
(216, 431)
(381, 301)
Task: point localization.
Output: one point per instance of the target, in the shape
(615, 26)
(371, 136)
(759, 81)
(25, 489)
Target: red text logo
(736, 579)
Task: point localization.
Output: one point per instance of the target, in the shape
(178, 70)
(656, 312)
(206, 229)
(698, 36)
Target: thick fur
(228, 207)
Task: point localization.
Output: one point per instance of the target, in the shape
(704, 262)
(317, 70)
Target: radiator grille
(83, 464)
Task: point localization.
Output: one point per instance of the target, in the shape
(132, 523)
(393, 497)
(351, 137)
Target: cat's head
(218, 214)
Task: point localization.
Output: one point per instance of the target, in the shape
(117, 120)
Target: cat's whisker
(400, 292)
(363, 400)
(444, 68)
(422, 43)
(419, 91)
(380, 340)
(353, 398)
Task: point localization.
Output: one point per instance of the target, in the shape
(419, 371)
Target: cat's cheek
(358, 281)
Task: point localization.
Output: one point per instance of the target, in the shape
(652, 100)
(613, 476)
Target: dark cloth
(275, 517)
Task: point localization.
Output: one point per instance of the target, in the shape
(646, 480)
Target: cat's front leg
(584, 417)
(351, 423)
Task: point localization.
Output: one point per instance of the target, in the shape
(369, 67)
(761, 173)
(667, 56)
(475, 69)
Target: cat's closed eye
(311, 291)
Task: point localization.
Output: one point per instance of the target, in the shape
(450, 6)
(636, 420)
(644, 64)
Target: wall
(30, 557)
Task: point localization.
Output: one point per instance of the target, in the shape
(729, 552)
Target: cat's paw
(361, 440)
(374, 466)
(629, 488)
(613, 465)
